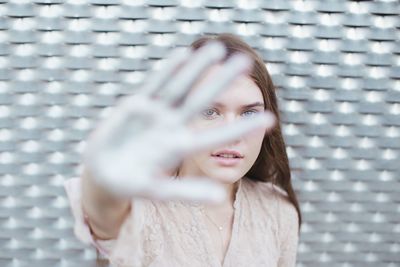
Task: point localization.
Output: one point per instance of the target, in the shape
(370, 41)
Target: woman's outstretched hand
(147, 133)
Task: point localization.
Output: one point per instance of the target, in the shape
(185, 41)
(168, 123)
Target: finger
(234, 66)
(227, 133)
(197, 189)
(155, 81)
(201, 60)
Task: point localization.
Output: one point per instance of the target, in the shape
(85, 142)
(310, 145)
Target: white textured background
(336, 64)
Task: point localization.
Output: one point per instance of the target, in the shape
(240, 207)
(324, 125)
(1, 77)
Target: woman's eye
(208, 112)
(250, 112)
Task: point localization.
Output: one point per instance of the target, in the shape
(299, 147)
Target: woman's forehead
(241, 90)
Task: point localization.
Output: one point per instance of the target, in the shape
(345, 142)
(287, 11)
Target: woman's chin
(226, 176)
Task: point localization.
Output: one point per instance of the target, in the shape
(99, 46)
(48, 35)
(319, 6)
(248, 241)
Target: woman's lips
(226, 161)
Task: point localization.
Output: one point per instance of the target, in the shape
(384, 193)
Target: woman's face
(242, 99)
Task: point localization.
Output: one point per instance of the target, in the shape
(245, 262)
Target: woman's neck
(230, 189)
(227, 204)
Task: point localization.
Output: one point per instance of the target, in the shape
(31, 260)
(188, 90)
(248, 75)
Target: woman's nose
(227, 118)
(230, 117)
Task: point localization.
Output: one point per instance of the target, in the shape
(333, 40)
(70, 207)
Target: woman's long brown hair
(272, 164)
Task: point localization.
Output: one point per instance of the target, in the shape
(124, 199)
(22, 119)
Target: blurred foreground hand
(147, 134)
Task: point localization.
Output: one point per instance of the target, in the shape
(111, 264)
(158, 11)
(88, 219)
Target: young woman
(207, 120)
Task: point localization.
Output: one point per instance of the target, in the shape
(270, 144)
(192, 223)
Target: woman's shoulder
(272, 196)
(265, 189)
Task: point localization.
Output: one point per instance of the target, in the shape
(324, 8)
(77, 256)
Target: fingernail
(215, 48)
(270, 119)
(242, 60)
(217, 195)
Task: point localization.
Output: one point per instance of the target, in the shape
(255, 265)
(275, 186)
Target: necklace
(219, 227)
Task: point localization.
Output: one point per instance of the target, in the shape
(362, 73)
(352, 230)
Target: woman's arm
(105, 212)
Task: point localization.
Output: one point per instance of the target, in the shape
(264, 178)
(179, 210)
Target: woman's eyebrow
(252, 105)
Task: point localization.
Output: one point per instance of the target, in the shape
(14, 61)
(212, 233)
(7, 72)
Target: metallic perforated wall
(336, 64)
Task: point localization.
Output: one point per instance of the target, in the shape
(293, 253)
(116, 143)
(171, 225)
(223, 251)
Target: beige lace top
(173, 233)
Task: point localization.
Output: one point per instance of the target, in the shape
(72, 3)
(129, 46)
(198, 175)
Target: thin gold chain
(220, 228)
